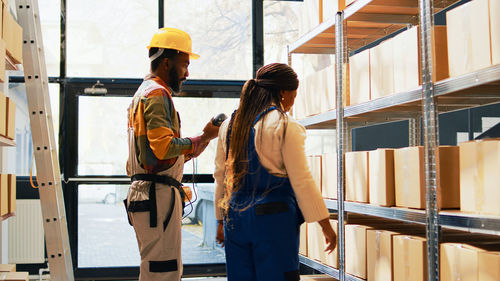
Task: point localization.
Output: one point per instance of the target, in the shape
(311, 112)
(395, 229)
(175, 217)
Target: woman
(264, 189)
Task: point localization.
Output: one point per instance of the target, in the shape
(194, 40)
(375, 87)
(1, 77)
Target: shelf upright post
(415, 131)
(341, 67)
(42, 131)
(431, 138)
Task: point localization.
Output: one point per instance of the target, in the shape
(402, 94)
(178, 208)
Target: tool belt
(151, 203)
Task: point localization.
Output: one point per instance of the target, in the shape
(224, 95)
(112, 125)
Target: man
(156, 157)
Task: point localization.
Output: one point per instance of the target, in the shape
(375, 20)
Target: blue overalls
(262, 242)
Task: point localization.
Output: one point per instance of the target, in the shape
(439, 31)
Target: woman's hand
(329, 233)
(220, 233)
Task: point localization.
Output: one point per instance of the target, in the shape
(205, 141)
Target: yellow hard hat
(173, 38)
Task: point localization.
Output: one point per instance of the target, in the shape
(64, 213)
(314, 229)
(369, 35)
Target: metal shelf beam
(6, 142)
(474, 223)
(481, 87)
(325, 269)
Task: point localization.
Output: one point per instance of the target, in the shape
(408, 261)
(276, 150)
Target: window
(221, 31)
(23, 151)
(281, 28)
(50, 20)
(102, 132)
(103, 41)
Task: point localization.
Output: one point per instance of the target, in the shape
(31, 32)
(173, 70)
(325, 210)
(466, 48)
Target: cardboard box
(3, 6)
(13, 36)
(12, 193)
(329, 175)
(355, 249)
(410, 178)
(315, 242)
(441, 69)
(409, 258)
(325, 89)
(332, 259)
(468, 32)
(4, 194)
(3, 114)
(3, 53)
(491, 164)
(14, 276)
(303, 240)
(458, 262)
(449, 176)
(381, 177)
(495, 31)
(11, 119)
(314, 163)
(382, 70)
(379, 254)
(471, 177)
(406, 60)
(479, 177)
(7, 267)
(356, 176)
(488, 266)
(359, 77)
(312, 103)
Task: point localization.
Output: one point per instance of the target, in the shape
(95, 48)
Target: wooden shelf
(475, 223)
(366, 21)
(9, 63)
(478, 88)
(6, 142)
(4, 217)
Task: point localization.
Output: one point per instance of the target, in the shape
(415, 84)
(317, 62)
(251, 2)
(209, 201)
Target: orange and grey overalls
(154, 207)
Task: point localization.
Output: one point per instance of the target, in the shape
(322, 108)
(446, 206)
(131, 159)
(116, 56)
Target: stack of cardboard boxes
(7, 194)
(8, 273)
(469, 173)
(11, 50)
(470, 41)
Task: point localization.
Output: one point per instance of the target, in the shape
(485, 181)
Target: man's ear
(167, 62)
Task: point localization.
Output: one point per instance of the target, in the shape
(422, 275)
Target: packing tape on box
(377, 244)
(406, 182)
(479, 177)
(456, 260)
(406, 247)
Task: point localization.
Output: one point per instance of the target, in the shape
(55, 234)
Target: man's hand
(210, 132)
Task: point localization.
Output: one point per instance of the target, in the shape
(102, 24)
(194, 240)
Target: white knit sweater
(282, 157)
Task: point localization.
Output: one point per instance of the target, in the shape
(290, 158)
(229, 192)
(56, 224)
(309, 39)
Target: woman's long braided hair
(256, 96)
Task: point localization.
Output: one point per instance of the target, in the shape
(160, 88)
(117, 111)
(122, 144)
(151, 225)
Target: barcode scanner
(218, 119)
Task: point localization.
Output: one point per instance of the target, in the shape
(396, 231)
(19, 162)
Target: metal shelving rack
(364, 22)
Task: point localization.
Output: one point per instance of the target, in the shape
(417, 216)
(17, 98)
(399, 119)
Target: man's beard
(175, 81)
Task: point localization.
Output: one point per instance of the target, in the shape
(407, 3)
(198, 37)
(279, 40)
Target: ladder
(47, 164)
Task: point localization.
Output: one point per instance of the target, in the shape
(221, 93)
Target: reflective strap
(163, 266)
